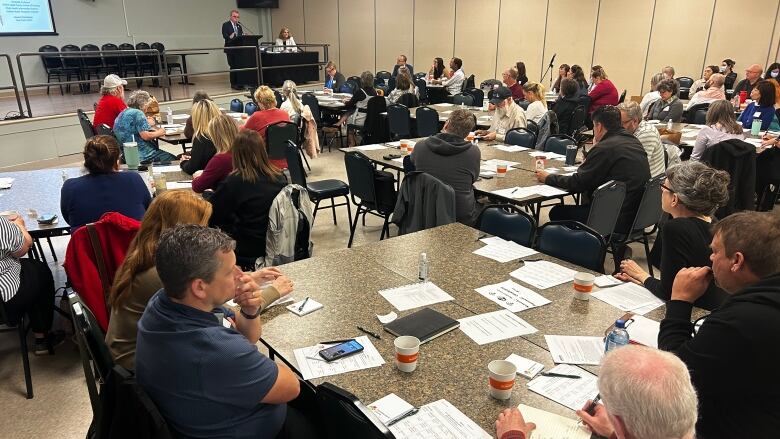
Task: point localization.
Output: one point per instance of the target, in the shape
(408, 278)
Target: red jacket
(604, 93)
(115, 232)
(259, 122)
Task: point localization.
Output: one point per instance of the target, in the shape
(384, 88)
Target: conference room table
(484, 118)
(452, 366)
(330, 101)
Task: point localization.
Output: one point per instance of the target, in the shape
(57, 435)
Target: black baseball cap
(500, 94)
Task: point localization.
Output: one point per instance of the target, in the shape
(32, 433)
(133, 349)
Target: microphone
(247, 27)
(552, 61)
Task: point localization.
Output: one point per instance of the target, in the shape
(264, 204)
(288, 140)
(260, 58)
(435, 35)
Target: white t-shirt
(535, 111)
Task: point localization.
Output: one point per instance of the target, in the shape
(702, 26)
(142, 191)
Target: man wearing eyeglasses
(752, 76)
(231, 30)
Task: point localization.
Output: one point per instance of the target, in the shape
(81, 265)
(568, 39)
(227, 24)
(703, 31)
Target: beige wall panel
(571, 28)
(357, 36)
(288, 14)
(476, 34)
(395, 33)
(623, 58)
(676, 21)
(322, 26)
(527, 45)
(729, 38)
(434, 28)
(774, 51)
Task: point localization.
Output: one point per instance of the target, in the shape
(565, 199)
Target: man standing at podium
(231, 30)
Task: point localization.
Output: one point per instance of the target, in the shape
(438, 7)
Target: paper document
(415, 295)
(566, 391)
(502, 250)
(167, 168)
(313, 366)
(572, 349)
(548, 191)
(495, 162)
(607, 281)
(570, 168)
(179, 185)
(552, 426)
(512, 296)
(396, 144)
(511, 148)
(629, 297)
(280, 301)
(643, 330)
(438, 420)
(390, 407)
(6, 182)
(515, 192)
(543, 274)
(494, 326)
(370, 147)
(525, 367)
(399, 160)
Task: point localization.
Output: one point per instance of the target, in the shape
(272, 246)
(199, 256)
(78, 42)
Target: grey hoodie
(454, 161)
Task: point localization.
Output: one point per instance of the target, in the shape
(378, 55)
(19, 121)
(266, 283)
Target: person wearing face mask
(727, 69)
(700, 84)
(752, 76)
(773, 75)
(508, 115)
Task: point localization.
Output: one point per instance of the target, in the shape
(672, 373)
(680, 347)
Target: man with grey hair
(733, 356)
(453, 160)
(508, 115)
(132, 125)
(650, 97)
(631, 119)
(646, 394)
(208, 379)
(112, 101)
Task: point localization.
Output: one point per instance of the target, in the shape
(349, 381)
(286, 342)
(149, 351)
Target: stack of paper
(6, 182)
(390, 407)
(502, 250)
(415, 295)
(512, 296)
(179, 185)
(607, 281)
(168, 168)
(528, 191)
(644, 331)
(575, 349)
(629, 297)
(495, 326)
(525, 367)
(552, 426)
(543, 274)
(370, 147)
(313, 366)
(438, 420)
(566, 391)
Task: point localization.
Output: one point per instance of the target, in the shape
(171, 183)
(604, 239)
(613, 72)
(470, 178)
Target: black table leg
(184, 79)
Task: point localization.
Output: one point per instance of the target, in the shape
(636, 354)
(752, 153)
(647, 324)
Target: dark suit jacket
(408, 66)
(227, 29)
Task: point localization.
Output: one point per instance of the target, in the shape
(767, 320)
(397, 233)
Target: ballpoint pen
(373, 334)
(395, 420)
(591, 409)
(337, 341)
(303, 305)
(560, 375)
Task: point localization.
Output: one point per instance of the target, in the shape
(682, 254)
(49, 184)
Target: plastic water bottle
(617, 337)
(755, 127)
(669, 125)
(423, 270)
(169, 116)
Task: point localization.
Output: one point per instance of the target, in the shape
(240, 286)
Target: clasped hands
(248, 292)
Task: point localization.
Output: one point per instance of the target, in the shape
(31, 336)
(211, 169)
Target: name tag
(665, 109)
(756, 114)
(501, 131)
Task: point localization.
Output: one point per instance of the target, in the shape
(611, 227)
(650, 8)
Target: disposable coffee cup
(407, 352)
(583, 285)
(501, 170)
(470, 137)
(410, 148)
(540, 162)
(571, 154)
(404, 146)
(131, 155)
(502, 378)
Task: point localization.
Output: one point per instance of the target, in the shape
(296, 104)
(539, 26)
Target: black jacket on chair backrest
(375, 126)
(738, 158)
(424, 202)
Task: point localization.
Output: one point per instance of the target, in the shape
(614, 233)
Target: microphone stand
(549, 69)
(251, 32)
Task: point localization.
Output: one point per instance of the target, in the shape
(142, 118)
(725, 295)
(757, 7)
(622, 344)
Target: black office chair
(277, 135)
(374, 129)
(690, 114)
(346, 416)
(685, 86)
(147, 63)
(468, 84)
(409, 100)
(171, 62)
(86, 124)
(383, 75)
(422, 90)
(398, 121)
(92, 64)
(508, 222)
(52, 64)
(622, 97)
(111, 58)
(605, 206)
(71, 64)
(521, 137)
(647, 215)
(349, 87)
(463, 99)
(522, 103)
(573, 242)
(365, 193)
(129, 63)
(478, 96)
(420, 75)
(390, 84)
(488, 84)
(21, 327)
(534, 128)
(557, 143)
(318, 190)
(577, 121)
(427, 121)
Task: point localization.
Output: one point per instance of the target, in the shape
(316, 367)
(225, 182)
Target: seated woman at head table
(285, 43)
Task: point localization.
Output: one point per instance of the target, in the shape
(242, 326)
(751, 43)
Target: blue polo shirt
(206, 380)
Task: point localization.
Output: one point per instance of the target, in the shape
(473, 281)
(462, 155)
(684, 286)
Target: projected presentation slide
(26, 17)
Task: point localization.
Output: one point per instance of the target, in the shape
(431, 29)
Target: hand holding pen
(594, 416)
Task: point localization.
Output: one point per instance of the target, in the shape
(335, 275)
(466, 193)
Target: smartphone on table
(341, 350)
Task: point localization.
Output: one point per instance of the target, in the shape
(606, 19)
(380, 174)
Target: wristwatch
(251, 316)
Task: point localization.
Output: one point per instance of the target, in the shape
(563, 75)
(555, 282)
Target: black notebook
(425, 324)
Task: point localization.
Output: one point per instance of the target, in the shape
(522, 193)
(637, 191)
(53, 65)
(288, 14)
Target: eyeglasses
(667, 188)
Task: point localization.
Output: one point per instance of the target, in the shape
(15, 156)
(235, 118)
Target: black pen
(591, 409)
(337, 341)
(530, 260)
(411, 412)
(560, 375)
(366, 331)
(303, 305)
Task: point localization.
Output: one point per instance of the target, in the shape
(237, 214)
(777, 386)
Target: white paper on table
(525, 367)
(566, 391)
(495, 162)
(643, 330)
(494, 326)
(6, 182)
(570, 168)
(552, 170)
(397, 143)
(370, 147)
(181, 116)
(387, 318)
(552, 426)
(510, 148)
(415, 295)
(313, 366)
(390, 407)
(438, 420)
(543, 274)
(503, 251)
(167, 168)
(607, 281)
(754, 142)
(445, 104)
(281, 301)
(512, 296)
(178, 185)
(492, 167)
(629, 297)
(573, 349)
(547, 191)
(399, 160)
(515, 192)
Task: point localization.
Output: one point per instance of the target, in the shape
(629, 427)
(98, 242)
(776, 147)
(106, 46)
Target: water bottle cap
(620, 323)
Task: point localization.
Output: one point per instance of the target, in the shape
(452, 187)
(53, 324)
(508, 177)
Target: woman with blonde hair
(285, 42)
(222, 130)
(294, 107)
(202, 147)
(243, 201)
(534, 93)
(267, 115)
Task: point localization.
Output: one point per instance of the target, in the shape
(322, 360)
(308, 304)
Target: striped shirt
(11, 241)
(651, 142)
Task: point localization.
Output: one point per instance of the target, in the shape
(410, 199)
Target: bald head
(648, 392)
(717, 80)
(753, 73)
